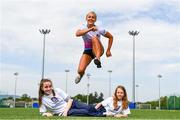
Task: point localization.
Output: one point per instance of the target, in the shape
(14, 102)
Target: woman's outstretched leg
(84, 62)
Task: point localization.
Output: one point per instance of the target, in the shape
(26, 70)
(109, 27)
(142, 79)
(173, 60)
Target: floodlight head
(136, 33)
(133, 33)
(16, 73)
(159, 76)
(130, 32)
(48, 31)
(67, 70)
(110, 71)
(40, 31)
(88, 74)
(44, 31)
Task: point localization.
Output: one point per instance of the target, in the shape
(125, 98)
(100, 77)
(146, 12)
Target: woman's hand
(108, 53)
(94, 28)
(109, 114)
(64, 114)
(47, 114)
(120, 116)
(98, 105)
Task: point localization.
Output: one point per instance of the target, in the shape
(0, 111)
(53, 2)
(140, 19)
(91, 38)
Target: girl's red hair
(124, 99)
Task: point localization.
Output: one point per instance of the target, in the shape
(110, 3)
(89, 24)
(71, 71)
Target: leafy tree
(93, 98)
(101, 97)
(25, 98)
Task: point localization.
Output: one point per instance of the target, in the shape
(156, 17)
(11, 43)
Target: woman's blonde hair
(92, 13)
(124, 99)
(41, 92)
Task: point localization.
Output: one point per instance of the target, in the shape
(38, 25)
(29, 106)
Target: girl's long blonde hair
(124, 99)
(41, 92)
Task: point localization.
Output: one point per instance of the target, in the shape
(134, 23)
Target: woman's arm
(84, 31)
(110, 37)
(68, 106)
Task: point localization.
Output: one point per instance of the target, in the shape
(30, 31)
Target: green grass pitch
(29, 113)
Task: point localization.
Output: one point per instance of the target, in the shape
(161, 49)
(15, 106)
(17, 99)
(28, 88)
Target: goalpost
(143, 106)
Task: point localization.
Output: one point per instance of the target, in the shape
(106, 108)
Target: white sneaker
(78, 79)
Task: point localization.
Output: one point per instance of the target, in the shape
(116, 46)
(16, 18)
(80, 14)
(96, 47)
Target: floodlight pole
(137, 100)
(16, 77)
(159, 76)
(67, 70)
(88, 77)
(109, 71)
(133, 33)
(44, 32)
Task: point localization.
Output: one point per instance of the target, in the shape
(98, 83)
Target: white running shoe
(78, 79)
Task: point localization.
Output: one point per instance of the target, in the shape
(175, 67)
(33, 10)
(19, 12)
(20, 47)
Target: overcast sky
(157, 45)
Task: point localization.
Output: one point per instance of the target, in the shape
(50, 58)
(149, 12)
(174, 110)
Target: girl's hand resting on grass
(47, 114)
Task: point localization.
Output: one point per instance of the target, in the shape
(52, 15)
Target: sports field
(28, 113)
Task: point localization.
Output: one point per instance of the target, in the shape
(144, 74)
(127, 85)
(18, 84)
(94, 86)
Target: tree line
(167, 102)
(171, 102)
(93, 97)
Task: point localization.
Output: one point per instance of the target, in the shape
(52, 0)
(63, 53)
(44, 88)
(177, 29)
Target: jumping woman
(93, 48)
